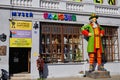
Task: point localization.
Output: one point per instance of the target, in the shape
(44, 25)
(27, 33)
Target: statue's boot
(101, 68)
(91, 68)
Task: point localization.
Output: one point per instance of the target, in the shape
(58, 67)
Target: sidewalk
(116, 77)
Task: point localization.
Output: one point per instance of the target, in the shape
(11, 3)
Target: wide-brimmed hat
(93, 15)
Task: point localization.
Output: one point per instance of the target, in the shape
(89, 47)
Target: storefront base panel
(72, 70)
(5, 67)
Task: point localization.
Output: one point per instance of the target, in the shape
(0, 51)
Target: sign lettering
(20, 42)
(111, 2)
(22, 14)
(20, 25)
(98, 1)
(59, 16)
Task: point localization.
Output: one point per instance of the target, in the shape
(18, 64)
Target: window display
(61, 43)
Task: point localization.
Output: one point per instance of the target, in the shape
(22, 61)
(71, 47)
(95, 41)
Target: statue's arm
(84, 30)
(102, 31)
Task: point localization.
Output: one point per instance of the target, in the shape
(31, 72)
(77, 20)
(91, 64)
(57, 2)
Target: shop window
(111, 43)
(61, 43)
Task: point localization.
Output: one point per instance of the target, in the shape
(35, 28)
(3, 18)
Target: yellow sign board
(20, 42)
(20, 25)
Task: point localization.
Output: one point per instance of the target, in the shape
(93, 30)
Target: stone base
(98, 74)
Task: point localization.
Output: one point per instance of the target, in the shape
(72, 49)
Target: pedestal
(98, 74)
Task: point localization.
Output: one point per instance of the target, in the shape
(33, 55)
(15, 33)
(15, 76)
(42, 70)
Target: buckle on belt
(97, 35)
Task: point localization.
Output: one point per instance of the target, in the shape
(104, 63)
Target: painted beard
(94, 25)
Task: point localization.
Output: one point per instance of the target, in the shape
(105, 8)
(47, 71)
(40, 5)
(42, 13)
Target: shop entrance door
(19, 60)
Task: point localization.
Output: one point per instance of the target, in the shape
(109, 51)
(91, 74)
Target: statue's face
(94, 19)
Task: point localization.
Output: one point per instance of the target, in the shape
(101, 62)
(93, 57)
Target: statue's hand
(101, 35)
(90, 34)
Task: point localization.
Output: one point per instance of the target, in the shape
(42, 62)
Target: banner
(21, 34)
(20, 42)
(20, 25)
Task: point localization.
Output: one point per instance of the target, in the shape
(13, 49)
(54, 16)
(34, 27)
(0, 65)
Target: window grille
(61, 43)
(111, 43)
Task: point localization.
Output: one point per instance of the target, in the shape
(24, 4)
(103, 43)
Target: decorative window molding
(21, 2)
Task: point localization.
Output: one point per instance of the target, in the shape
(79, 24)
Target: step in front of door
(20, 77)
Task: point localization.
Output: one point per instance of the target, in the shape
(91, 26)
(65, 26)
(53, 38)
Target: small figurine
(65, 52)
(58, 51)
(42, 41)
(65, 40)
(56, 41)
(46, 51)
(48, 41)
(70, 40)
(53, 42)
(78, 55)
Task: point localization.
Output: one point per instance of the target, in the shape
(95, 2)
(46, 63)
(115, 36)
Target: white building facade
(52, 28)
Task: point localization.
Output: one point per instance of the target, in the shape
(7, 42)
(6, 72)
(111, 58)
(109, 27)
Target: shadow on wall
(46, 71)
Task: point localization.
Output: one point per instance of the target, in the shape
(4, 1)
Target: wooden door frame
(29, 60)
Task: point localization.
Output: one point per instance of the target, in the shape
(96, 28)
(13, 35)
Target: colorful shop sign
(21, 34)
(110, 2)
(20, 42)
(20, 25)
(23, 14)
(59, 16)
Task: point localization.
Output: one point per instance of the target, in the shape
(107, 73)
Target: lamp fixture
(35, 25)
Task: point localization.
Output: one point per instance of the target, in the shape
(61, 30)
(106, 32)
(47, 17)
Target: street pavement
(116, 77)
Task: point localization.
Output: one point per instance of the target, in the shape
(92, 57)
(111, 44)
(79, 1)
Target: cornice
(35, 9)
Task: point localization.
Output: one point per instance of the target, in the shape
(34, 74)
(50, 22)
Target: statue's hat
(93, 15)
